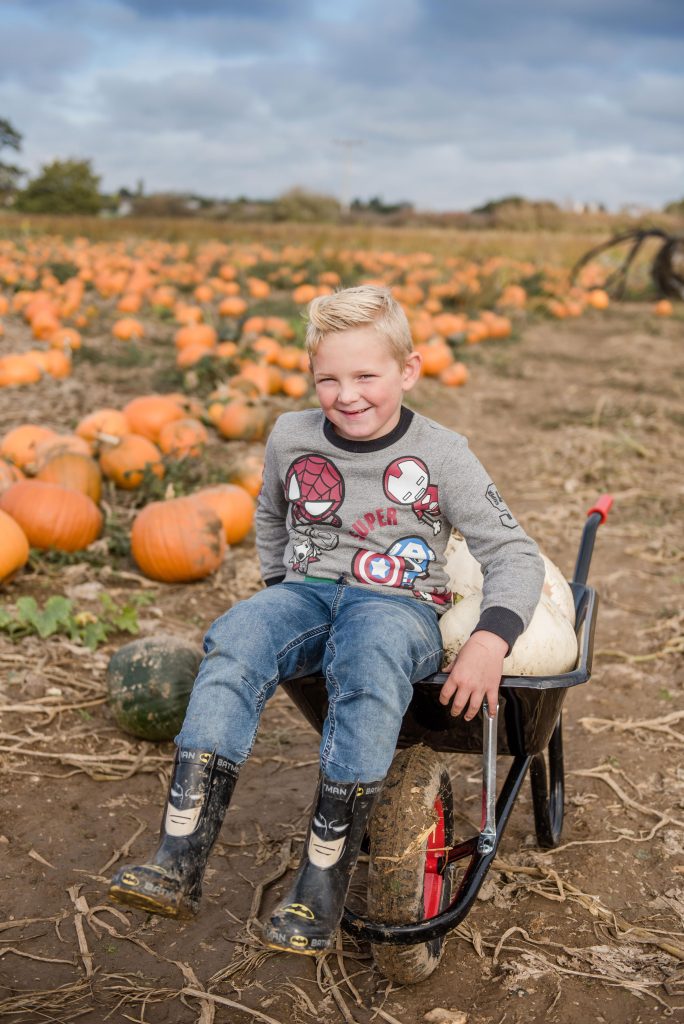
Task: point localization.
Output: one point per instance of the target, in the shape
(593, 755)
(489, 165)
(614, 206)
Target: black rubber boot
(170, 883)
(307, 918)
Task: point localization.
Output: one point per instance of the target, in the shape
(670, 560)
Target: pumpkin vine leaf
(48, 620)
(59, 617)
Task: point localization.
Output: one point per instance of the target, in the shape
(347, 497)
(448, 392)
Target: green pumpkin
(149, 683)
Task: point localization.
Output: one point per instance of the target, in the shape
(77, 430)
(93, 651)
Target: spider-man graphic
(315, 488)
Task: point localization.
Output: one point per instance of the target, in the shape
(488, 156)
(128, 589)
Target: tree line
(72, 187)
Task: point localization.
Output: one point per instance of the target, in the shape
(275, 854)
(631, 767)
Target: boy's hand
(476, 673)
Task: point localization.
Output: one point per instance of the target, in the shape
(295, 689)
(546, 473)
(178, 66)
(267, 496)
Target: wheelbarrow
(412, 847)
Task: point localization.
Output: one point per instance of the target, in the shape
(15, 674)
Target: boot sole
(149, 904)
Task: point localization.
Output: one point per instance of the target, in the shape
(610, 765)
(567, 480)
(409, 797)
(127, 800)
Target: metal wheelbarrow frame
(526, 725)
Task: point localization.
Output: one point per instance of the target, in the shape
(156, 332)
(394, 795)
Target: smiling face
(360, 384)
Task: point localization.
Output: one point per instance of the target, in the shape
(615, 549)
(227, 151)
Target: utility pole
(348, 146)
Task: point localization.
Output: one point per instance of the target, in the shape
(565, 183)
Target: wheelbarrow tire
(412, 823)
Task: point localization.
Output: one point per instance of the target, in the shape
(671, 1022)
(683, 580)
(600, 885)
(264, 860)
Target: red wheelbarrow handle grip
(602, 506)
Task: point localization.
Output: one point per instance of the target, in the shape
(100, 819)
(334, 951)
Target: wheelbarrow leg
(548, 791)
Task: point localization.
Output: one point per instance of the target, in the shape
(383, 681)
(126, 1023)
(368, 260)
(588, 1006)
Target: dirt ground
(592, 930)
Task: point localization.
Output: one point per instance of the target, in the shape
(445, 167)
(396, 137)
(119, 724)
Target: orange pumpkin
(295, 385)
(183, 439)
(254, 325)
(44, 324)
(52, 516)
(103, 421)
(130, 302)
(663, 308)
(455, 375)
(514, 296)
(192, 354)
(203, 293)
(128, 329)
(196, 334)
(177, 541)
(422, 329)
(186, 314)
(226, 349)
(66, 338)
(476, 331)
(447, 324)
(57, 363)
(9, 475)
(147, 414)
(258, 289)
(289, 357)
(74, 470)
(234, 507)
(14, 547)
(232, 306)
(598, 298)
(126, 461)
(279, 327)
(57, 445)
(248, 473)
(557, 308)
(267, 347)
(268, 379)
(240, 384)
(188, 405)
(242, 421)
(19, 445)
(17, 369)
(436, 356)
(38, 356)
(304, 294)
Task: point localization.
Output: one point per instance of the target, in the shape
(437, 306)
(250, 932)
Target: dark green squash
(149, 683)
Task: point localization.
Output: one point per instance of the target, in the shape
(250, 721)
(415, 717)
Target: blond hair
(367, 305)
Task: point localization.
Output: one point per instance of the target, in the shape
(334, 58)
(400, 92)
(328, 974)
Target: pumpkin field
(140, 375)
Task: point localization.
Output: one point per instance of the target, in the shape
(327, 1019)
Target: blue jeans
(370, 647)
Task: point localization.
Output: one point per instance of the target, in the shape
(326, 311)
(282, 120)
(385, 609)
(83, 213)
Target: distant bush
(676, 207)
(310, 207)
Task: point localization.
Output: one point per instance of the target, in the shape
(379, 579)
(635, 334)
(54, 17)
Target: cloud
(447, 104)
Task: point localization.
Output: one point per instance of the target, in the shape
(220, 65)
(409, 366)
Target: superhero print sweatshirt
(379, 514)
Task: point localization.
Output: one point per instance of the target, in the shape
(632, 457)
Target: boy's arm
(512, 568)
(513, 573)
(271, 519)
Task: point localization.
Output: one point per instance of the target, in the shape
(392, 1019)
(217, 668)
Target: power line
(348, 146)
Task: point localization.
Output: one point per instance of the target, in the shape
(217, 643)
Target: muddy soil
(592, 930)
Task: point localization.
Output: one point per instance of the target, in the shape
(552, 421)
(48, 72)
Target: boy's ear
(412, 368)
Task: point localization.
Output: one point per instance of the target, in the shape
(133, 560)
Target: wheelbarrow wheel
(408, 880)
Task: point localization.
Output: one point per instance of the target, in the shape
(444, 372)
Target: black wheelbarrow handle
(596, 515)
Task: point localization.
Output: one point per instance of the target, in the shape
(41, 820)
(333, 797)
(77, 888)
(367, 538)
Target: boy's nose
(347, 393)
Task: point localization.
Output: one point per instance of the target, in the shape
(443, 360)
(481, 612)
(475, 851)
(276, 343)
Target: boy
(356, 508)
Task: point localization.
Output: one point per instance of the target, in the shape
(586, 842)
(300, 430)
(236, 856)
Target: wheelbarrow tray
(529, 706)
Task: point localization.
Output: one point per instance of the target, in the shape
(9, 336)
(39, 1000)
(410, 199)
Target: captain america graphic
(406, 561)
(407, 482)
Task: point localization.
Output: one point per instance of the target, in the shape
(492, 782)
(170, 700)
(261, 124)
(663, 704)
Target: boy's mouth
(353, 412)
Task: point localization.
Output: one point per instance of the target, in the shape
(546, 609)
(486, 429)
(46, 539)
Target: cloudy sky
(446, 103)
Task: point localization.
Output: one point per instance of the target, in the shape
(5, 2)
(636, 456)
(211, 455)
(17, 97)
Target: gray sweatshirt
(379, 514)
